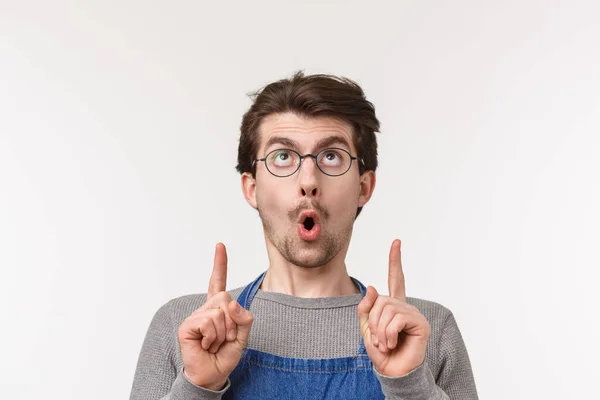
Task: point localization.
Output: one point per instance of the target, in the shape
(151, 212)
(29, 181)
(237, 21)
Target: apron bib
(265, 376)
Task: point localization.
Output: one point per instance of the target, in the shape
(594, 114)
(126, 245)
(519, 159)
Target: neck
(328, 280)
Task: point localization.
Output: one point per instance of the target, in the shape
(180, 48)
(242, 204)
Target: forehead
(306, 130)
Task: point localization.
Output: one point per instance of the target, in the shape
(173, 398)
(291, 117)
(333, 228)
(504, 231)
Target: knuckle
(181, 332)
(210, 302)
(390, 331)
(372, 327)
(427, 325)
(211, 314)
(221, 297)
(398, 320)
(204, 323)
(228, 320)
(209, 334)
(184, 324)
(183, 328)
(389, 309)
(196, 313)
(221, 330)
(378, 301)
(220, 326)
(205, 307)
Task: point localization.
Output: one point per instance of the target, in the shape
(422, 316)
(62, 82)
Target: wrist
(214, 386)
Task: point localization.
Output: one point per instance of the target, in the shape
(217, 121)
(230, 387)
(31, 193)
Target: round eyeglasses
(285, 162)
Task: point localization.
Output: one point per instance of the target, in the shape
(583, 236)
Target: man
(305, 329)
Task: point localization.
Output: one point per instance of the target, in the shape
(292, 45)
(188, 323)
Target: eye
(331, 158)
(281, 158)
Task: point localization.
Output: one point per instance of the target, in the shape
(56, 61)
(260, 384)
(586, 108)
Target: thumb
(365, 306)
(243, 319)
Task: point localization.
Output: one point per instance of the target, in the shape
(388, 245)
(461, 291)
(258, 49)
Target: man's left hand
(395, 333)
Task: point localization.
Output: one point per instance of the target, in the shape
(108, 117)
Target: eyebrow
(323, 143)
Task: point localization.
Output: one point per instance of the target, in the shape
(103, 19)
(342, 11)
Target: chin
(316, 255)
(305, 254)
(307, 263)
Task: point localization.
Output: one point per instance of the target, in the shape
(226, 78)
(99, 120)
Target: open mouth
(308, 223)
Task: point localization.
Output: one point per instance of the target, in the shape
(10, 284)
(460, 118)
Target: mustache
(295, 213)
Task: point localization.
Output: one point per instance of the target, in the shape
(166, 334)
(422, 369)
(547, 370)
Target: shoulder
(434, 312)
(446, 350)
(440, 317)
(445, 333)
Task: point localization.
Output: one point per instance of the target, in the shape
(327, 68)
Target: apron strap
(363, 290)
(247, 295)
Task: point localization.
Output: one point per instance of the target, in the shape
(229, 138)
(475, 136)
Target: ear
(367, 185)
(249, 188)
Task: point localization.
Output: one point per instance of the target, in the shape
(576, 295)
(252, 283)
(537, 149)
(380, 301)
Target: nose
(308, 178)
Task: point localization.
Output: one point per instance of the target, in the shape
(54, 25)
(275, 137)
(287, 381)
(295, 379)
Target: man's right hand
(213, 338)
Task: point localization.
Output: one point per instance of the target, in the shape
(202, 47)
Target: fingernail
(374, 340)
(389, 344)
(382, 347)
(230, 335)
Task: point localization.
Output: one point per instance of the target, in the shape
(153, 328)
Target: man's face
(284, 203)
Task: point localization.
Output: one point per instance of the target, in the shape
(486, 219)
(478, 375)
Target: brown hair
(311, 95)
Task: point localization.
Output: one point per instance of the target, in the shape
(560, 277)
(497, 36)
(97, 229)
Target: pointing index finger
(396, 283)
(218, 278)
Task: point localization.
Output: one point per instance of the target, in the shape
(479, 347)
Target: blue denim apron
(265, 376)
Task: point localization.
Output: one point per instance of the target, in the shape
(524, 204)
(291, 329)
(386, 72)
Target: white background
(119, 124)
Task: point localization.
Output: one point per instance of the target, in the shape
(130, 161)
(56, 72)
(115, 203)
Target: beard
(306, 254)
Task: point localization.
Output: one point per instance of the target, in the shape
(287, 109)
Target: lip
(309, 213)
(315, 232)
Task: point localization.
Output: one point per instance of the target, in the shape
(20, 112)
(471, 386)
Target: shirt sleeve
(156, 376)
(454, 380)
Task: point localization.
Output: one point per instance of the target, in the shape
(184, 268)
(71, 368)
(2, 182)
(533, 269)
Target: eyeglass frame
(313, 156)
